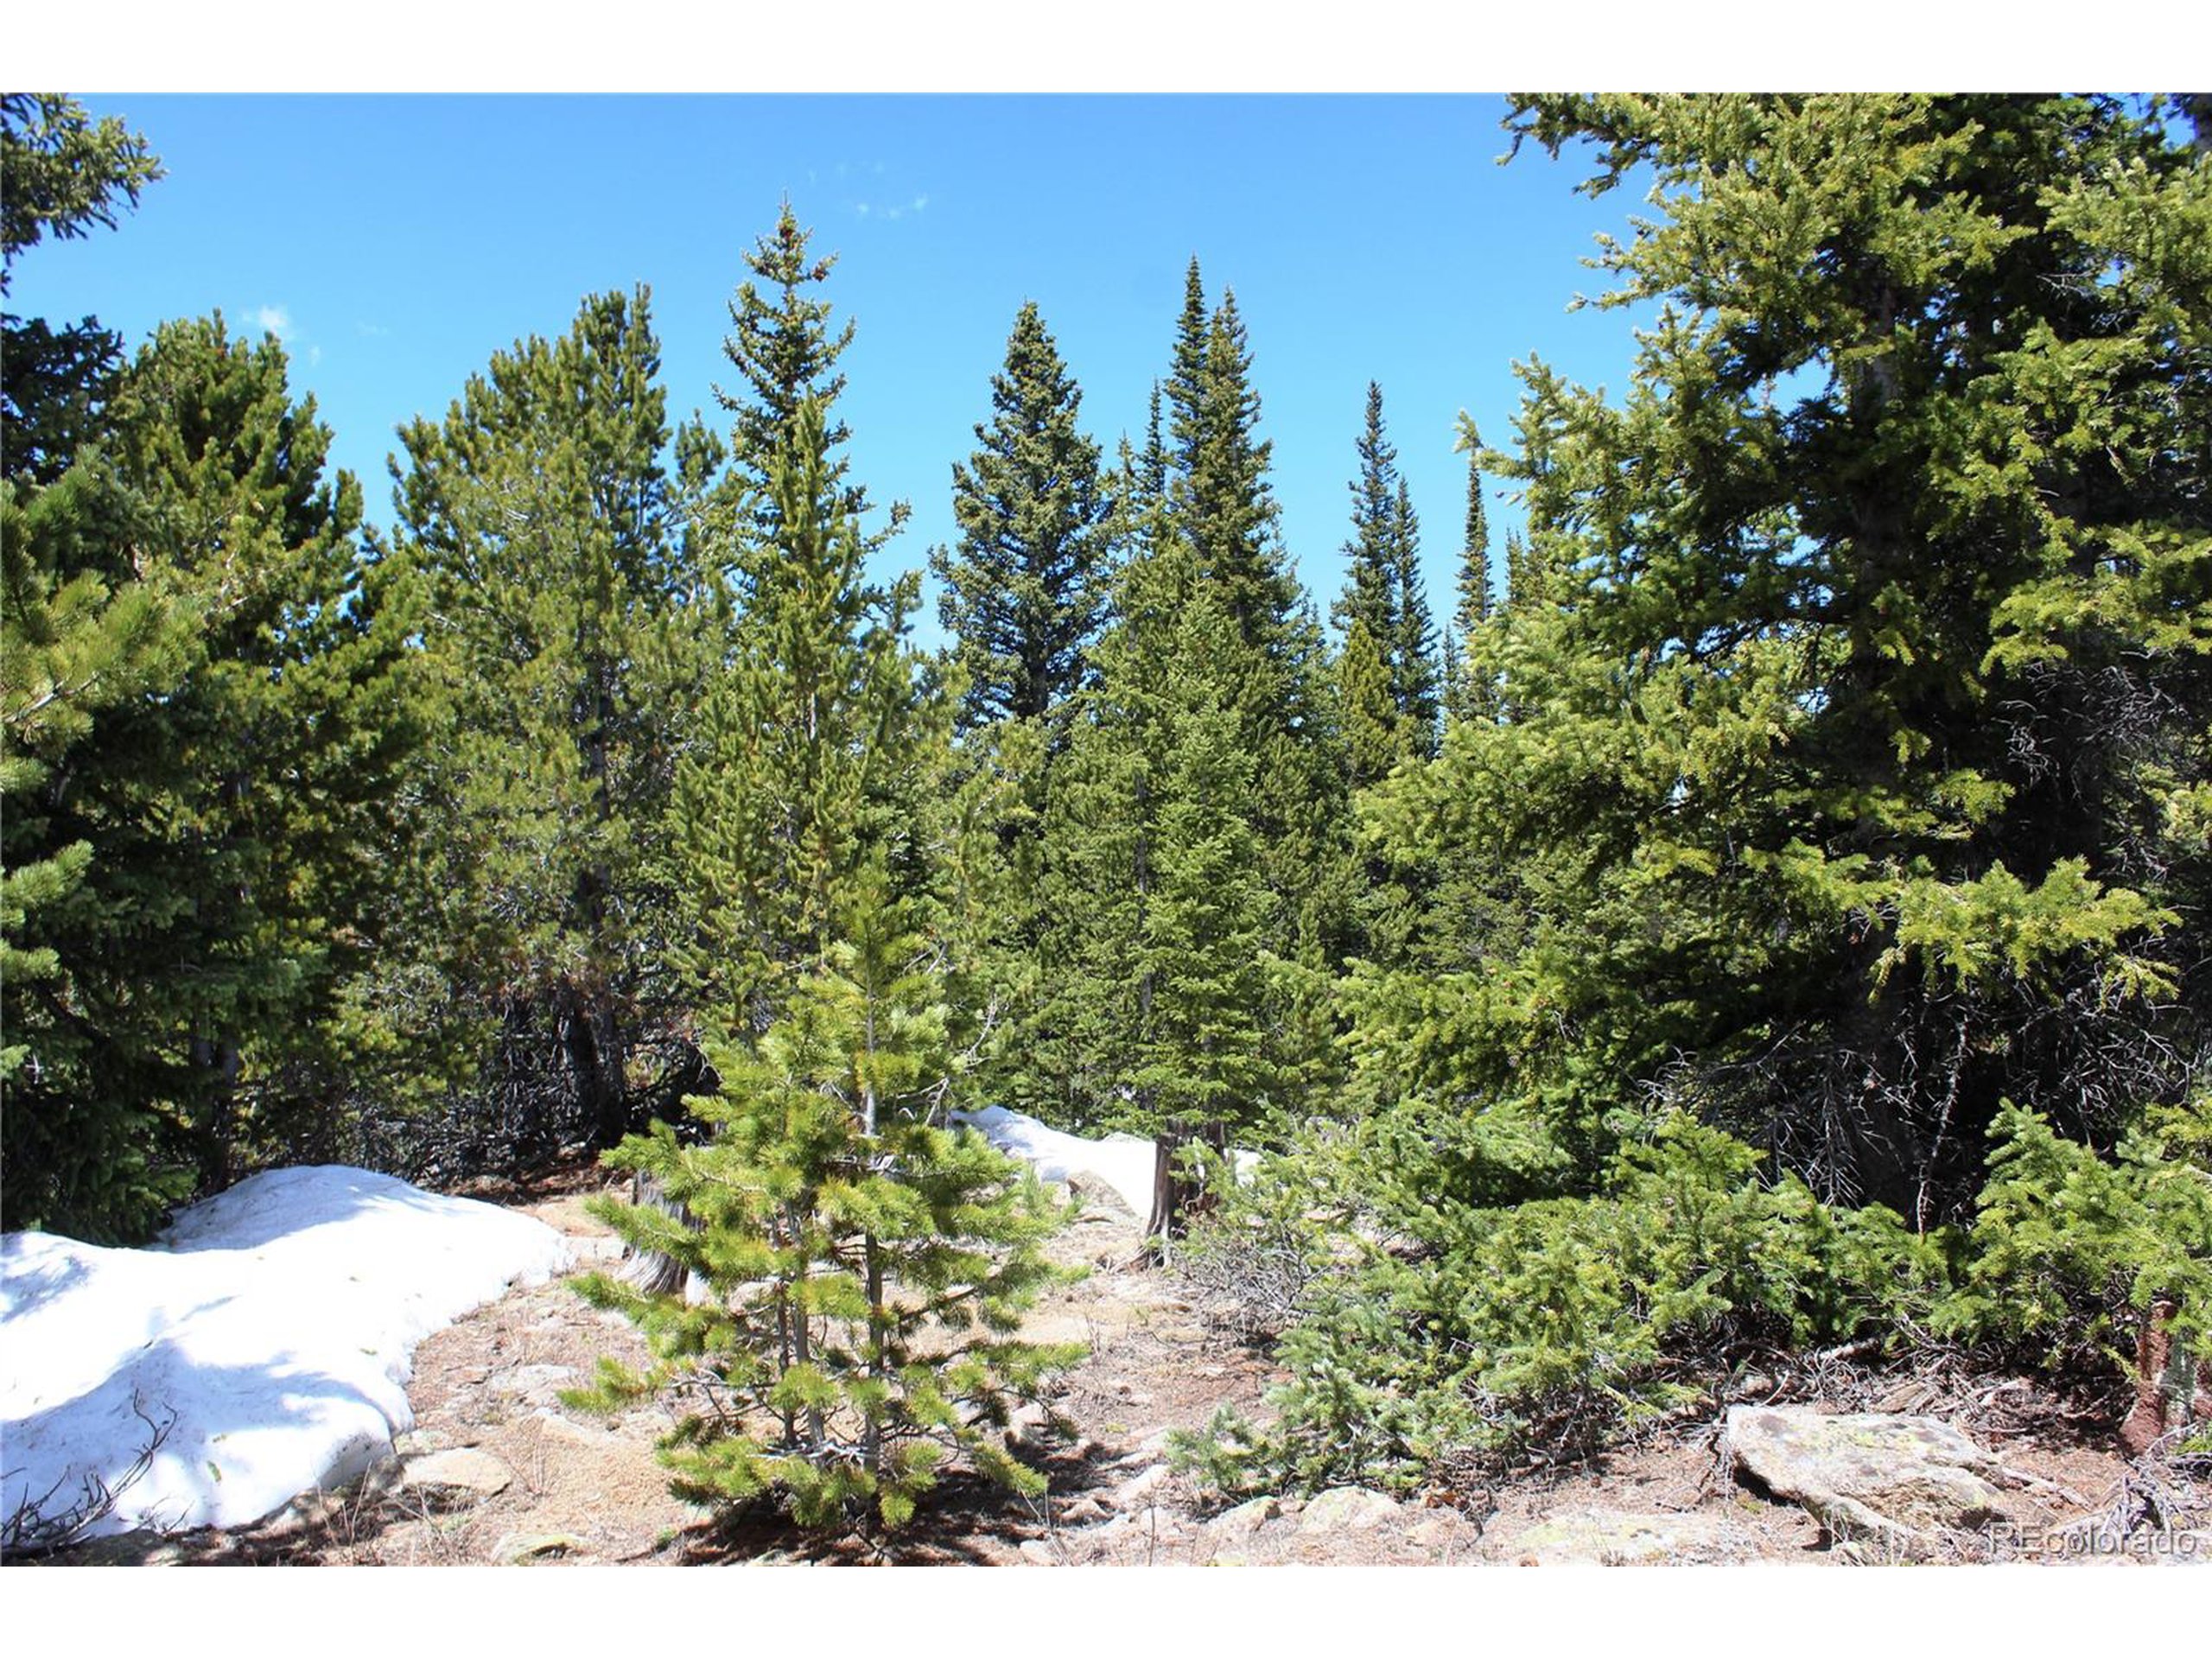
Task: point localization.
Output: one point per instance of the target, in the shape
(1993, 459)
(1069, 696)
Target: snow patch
(277, 1322)
(1121, 1161)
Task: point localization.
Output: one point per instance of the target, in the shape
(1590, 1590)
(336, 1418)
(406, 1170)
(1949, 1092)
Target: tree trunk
(218, 1126)
(1175, 1197)
(594, 1046)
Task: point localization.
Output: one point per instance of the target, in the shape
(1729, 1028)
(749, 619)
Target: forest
(1761, 908)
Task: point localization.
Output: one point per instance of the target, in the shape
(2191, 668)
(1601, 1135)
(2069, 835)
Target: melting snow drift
(275, 1322)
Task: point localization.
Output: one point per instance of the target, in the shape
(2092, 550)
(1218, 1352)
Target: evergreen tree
(571, 632)
(1384, 600)
(1025, 590)
(1370, 556)
(200, 824)
(60, 173)
(1374, 736)
(1850, 740)
(869, 1266)
(1413, 642)
(781, 345)
(1468, 693)
(868, 1269)
(805, 765)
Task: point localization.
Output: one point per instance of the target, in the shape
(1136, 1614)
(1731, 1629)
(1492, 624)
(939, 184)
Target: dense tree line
(1780, 881)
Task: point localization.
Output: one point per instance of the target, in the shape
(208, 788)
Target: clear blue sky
(397, 243)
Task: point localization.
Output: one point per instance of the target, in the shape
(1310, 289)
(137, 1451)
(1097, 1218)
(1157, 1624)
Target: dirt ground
(579, 1490)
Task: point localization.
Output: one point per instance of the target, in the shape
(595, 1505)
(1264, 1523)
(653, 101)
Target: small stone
(414, 1442)
(1131, 1493)
(519, 1549)
(1039, 1553)
(464, 1471)
(1348, 1508)
(1246, 1518)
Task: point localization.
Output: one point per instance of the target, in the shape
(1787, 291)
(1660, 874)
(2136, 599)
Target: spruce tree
(1413, 642)
(1024, 589)
(1384, 600)
(1467, 691)
(1370, 592)
(782, 348)
(1867, 686)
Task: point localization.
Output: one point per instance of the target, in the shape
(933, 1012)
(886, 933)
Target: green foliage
(2070, 1251)
(208, 702)
(1842, 776)
(570, 629)
(63, 171)
(865, 1268)
(814, 743)
(1454, 1330)
(1025, 590)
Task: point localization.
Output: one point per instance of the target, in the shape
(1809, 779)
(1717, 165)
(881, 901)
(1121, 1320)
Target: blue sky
(397, 243)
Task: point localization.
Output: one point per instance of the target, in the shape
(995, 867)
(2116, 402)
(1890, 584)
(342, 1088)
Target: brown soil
(585, 1491)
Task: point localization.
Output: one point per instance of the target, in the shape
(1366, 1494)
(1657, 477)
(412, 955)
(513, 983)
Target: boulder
(1895, 1481)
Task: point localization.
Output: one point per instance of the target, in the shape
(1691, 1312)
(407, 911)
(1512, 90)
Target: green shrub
(2069, 1250)
(1562, 1320)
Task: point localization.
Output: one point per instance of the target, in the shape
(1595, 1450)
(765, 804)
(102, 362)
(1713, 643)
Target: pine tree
(197, 853)
(804, 763)
(869, 1266)
(1374, 737)
(572, 631)
(868, 1269)
(1025, 590)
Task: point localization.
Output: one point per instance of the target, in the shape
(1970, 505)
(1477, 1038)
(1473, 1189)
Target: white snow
(1122, 1161)
(276, 1322)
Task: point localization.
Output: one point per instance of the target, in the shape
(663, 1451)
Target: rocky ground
(498, 1471)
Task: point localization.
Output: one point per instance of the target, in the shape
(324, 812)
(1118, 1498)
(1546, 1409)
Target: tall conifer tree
(568, 625)
(1025, 589)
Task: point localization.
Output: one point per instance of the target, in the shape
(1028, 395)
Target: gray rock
(534, 1381)
(1132, 1493)
(1894, 1481)
(1625, 1538)
(1245, 1519)
(463, 1471)
(1348, 1508)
